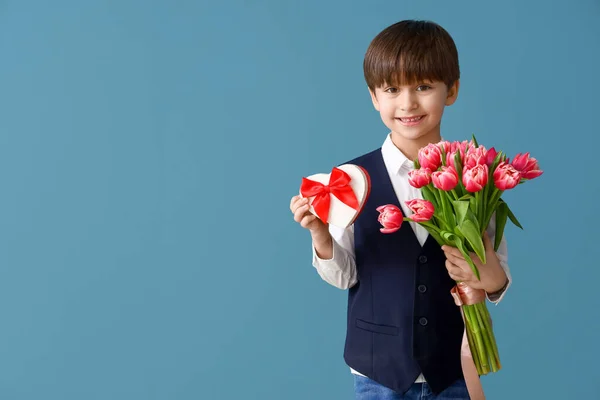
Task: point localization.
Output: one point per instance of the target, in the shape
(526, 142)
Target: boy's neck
(410, 147)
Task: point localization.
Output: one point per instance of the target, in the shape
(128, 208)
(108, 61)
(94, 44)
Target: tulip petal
(532, 174)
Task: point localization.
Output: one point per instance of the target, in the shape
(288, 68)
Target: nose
(407, 100)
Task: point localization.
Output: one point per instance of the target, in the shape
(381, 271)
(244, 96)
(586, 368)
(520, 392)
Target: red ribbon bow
(339, 186)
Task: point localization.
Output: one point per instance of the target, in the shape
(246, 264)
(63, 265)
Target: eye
(422, 88)
(391, 90)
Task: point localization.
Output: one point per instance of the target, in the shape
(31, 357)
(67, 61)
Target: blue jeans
(367, 389)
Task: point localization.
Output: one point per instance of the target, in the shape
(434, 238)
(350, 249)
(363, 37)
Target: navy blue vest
(402, 319)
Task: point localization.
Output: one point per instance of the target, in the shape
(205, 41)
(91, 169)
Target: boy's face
(413, 112)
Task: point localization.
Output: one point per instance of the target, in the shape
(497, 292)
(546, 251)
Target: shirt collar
(396, 161)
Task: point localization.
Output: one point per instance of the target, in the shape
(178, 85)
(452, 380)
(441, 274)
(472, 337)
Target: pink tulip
(527, 166)
(520, 161)
(491, 156)
(475, 156)
(419, 177)
(454, 145)
(390, 217)
(450, 159)
(464, 146)
(446, 179)
(422, 210)
(430, 157)
(506, 176)
(445, 146)
(475, 178)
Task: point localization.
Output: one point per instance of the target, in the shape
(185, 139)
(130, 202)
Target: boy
(404, 331)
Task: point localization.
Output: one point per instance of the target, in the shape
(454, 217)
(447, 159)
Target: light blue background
(148, 152)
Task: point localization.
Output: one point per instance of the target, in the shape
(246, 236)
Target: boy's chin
(416, 135)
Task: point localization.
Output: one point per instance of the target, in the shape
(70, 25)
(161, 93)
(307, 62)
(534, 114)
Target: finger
(455, 272)
(467, 272)
(452, 250)
(307, 220)
(293, 201)
(464, 274)
(300, 213)
(468, 275)
(460, 261)
(299, 203)
(456, 277)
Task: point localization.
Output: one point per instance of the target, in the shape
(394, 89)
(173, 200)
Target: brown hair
(411, 51)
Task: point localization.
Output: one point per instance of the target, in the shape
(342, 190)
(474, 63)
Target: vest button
(422, 259)
(422, 288)
(423, 321)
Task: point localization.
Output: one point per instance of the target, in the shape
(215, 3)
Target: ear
(374, 100)
(452, 93)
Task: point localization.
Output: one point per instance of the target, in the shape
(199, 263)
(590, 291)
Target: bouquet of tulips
(462, 185)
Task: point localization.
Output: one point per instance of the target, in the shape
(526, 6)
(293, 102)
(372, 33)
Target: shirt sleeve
(340, 269)
(502, 254)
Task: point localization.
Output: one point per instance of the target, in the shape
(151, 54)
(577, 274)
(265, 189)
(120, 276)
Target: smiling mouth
(411, 119)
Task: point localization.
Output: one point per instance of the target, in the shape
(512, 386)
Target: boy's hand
(321, 238)
(299, 206)
(491, 273)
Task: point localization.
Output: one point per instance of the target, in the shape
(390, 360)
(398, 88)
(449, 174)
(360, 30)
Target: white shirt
(340, 270)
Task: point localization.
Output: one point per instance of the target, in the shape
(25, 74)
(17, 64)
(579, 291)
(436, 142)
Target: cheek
(387, 109)
(434, 105)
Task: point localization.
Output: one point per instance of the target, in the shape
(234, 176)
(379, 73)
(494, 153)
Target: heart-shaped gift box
(337, 198)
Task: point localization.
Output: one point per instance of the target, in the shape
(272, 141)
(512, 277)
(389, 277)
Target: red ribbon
(339, 186)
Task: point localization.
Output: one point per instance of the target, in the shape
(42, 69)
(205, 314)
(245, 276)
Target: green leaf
(466, 196)
(475, 141)
(501, 215)
(460, 188)
(473, 236)
(460, 208)
(473, 205)
(431, 227)
(449, 237)
(438, 238)
(446, 201)
(457, 231)
(492, 168)
(458, 163)
(473, 218)
(512, 217)
(416, 162)
(428, 195)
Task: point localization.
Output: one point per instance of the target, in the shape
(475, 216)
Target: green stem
(486, 339)
(487, 321)
(434, 192)
(475, 329)
(485, 205)
(427, 224)
(479, 215)
(441, 222)
(450, 208)
(433, 231)
(439, 198)
(494, 199)
(453, 191)
(474, 353)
